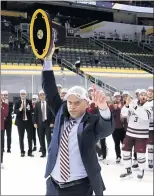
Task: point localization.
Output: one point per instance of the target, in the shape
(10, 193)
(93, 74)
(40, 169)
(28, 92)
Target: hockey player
(135, 100)
(151, 129)
(137, 133)
(125, 96)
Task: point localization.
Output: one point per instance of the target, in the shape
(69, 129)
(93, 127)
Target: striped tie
(64, 152)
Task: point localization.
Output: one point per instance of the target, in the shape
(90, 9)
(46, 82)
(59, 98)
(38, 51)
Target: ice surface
(25, 176)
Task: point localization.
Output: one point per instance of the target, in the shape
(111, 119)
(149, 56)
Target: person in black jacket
(72, 165)
(44, 121)
(101, 147)
(23, 109)
(35, 99)
(8, 120)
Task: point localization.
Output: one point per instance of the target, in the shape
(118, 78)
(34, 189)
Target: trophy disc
(40, 33)
(43, 32)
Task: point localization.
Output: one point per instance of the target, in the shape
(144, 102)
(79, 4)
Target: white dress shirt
(45, 105)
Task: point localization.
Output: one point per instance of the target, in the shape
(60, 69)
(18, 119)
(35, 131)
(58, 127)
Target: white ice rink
(25, 176)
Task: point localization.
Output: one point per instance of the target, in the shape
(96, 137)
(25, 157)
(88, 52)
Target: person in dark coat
(23, 109)
(72, 165)
(4, 113)
(44, 121)
(35, 99)
(101, 147)
(8, 121)
(119, 132)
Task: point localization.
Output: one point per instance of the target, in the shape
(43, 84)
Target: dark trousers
(80, 189)
(21, 131)
(2, 145)
(118, 137)
(8, 128)
(44, 130)
(103, 150)
(135, 155)
(34, 136)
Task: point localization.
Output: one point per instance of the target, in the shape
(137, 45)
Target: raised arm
(105, 125)
(49, 85)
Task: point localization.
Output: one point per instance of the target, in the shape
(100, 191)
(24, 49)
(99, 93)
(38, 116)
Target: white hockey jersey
(150, 104)
(138, 120)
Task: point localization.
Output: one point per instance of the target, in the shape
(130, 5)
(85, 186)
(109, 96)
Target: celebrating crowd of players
(134, 126)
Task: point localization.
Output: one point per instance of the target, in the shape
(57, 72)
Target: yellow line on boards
(105, 70)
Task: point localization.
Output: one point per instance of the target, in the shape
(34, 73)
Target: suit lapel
(40, 108)
(81, 129)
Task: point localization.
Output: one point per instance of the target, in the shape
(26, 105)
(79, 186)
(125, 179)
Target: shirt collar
(78, 120)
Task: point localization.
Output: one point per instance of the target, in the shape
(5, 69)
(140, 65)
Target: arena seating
(74, 48)
(18, 57)
(79, 47)
(133, 50)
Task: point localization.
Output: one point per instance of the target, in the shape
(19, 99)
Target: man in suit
(35, 99)
(59, 87)
(4, 113)
(44, 121)
(72, 165)
(8, 120)
(63, 93)
(23, 109)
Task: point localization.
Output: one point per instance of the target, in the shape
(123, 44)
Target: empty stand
(79, 47)
(127, 47)
(74, 48)
(132, 49)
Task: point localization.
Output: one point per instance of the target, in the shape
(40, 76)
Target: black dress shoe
(22, 154)
(8, 151)
(43, 155)
(30, 155)
(34, 149)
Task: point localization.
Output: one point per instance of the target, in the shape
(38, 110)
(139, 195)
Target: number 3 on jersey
(136, 119)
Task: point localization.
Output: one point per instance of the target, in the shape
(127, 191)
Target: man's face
(90, 93)
(125, 97)
(76, 107)
(150, 93)
(5, 96)
(23, 95)
(143, 97)
(118, 98)
(1, 97)
(59, 89)
(42, 96)
(137, 95)
(62, 95)
(34, 100)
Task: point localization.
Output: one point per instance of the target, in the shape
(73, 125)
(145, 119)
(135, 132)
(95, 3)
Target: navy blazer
(37, 116)
(92, 128)
(19, 118)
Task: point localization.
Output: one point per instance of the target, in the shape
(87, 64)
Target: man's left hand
(99, 98)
